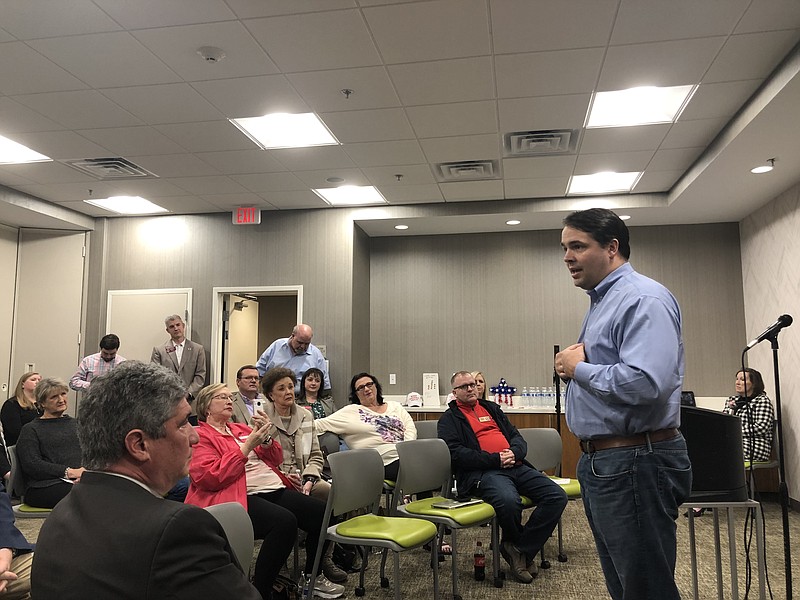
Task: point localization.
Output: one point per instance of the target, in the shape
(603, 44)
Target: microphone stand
(782, 487)
(557, 384)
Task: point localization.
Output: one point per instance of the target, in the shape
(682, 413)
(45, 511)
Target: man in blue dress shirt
(296, 353)
(623, 402)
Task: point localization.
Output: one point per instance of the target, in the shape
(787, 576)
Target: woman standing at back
(20, 408)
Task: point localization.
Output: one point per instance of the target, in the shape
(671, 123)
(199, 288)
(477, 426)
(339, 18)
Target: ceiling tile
(737, 61)
(241, 161)
(443, 81)
(122, 141)
(87, 109)
(25, 71)
(375, 125)
(28, 20)
(315, 41)
(61, 144)
(653, 20)
(49, 172)
(15, 117)
(657, 181)
(169, 103)
(174, 165)
(411, 194)
(312, 159)
(467, 118)
(318, 179)
(294, 200)
(178, 48)
(674, 159)
(548, 73)
(74, 192)
(411, 175)
(770, 15)
(680, 62)
(713, 100)
(252, 96)
(525, 26)
(106, 59)
(322, 90)
(641, 137)
(550, 112)
(230, 201)
(427, 31)
(619, 162)
(215, 184)
(186, 204)
(688, 134)
(373, 154)
(88, 209)
(212, 136)
(246, 9)
(465, 147)
(157, 13)
(472, 190)
(10, 179)
(542, 187)
(538, 167)
(148, 188)
(270, 182)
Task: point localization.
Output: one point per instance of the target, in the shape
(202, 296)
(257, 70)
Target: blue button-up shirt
(280, 354)
(632, 377)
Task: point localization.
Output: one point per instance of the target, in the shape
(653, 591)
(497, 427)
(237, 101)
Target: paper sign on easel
(430, 389)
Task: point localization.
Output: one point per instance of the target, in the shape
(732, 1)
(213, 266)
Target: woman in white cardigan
(371, 422)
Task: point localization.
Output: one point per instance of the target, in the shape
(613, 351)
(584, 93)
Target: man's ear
(136, 445)
(613, 248)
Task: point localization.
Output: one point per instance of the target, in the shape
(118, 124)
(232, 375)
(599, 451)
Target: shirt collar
(602, 288)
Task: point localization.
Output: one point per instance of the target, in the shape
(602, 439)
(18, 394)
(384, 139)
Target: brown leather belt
(624, 441)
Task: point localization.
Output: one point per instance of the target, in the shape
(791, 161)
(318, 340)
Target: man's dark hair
(244, 368)
(604, 226)
(109, 342)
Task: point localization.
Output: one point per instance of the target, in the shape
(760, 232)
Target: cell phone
(258, 405)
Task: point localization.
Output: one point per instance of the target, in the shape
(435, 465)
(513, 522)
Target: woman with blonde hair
(480, 385)
(20, 408)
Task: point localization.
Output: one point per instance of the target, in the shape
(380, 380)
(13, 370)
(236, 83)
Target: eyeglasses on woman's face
(363, 386)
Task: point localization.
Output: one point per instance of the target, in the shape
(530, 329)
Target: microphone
(783, 321)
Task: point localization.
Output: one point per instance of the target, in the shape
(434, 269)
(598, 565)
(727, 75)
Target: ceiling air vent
(468, 170)
(110, 168)
(541, 143)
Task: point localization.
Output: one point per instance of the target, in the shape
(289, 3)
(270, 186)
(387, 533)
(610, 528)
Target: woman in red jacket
(233, 462)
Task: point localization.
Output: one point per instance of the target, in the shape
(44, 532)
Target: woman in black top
(20, 408)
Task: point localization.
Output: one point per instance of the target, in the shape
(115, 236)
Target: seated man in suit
(114, 536)
(246, 395)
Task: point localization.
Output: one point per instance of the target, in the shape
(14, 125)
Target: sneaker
(332, 571)
(324, 588)
(517, 562)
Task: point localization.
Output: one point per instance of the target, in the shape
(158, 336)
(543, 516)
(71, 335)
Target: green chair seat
(406, 532)
(27, 508)
(465, 516)
(572, 489)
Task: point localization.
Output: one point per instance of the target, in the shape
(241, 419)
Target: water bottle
(304, 586)
(480, 562)
(537, 398)
(525, 401)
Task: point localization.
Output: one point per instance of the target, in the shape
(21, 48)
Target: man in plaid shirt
(95, 365)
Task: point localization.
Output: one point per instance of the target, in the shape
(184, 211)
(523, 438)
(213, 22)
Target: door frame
(217, 317)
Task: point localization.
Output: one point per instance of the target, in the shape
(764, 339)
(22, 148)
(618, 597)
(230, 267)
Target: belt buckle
(587, 446)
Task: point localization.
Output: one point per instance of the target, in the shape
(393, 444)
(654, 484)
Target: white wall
(8, 275)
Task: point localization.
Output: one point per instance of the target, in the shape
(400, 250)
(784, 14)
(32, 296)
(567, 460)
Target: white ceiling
(433, 81)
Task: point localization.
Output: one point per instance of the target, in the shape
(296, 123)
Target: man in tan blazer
(182, 356)
(247, 395)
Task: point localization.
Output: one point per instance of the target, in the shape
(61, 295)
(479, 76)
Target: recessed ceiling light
(765, 168)
(12, 153)
(624, 217)
(335, 180)
(401, 227)
(282, 130)
(603, 183)
(351, 195)
(638, 106)
(513, 222)
(127, 205)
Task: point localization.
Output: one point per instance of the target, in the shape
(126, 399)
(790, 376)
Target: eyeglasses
(250, 378)
(361, 388)
(466, 386)
(221, 397)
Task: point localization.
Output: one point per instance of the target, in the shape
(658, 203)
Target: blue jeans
(502, 489)
(631, 497)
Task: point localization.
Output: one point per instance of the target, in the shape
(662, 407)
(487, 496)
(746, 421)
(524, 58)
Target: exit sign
(247, 215)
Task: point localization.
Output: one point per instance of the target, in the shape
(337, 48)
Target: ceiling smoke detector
(211, 54)
(541, 143)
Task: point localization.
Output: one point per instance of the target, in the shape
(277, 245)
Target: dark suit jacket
(111, 538)
(192, 369)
